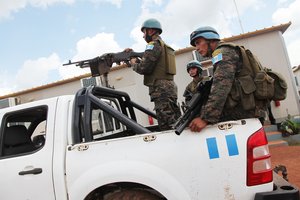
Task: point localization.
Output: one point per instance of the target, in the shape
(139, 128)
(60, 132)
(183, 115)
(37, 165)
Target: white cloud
(180, 18)
(117, 3)
(36, 72)
(7, 84)
(283, 15)
(149, 3)
(289, 13)
(88, 48)
(33, 73)
(140, 43)
(293, 51)
(7, 7)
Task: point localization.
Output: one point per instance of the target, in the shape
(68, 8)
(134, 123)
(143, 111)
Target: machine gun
(193, 107)
(100, 65)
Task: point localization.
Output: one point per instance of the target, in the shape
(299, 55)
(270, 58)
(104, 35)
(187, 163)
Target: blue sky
(37, 36)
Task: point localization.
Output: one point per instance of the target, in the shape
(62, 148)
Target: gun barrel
(180, 128)
(194, 106)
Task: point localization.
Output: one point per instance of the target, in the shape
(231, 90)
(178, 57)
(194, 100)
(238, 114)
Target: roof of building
(282, 28)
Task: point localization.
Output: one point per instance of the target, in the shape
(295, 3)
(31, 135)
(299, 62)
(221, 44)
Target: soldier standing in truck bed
(158, 67)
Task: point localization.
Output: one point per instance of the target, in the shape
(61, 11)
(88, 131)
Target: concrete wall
(297, 79)
(65, 89)
(129, 81)
(271, 51)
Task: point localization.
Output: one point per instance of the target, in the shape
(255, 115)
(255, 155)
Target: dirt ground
(289, 156)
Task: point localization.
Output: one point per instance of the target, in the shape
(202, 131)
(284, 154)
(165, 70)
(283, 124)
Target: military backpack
(254, 85)
(270, 85)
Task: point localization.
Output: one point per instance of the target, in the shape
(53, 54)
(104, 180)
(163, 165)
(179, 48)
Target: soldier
(158, 68)
(226, 64)
(194, 69)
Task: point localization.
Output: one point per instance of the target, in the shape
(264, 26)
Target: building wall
(129, 81)
(297, 79)
(271, 51)
(65, 89)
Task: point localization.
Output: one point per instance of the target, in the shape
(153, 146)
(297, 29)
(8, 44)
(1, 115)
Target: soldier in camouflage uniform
(226, 62)
(158, 68)
(194, 68)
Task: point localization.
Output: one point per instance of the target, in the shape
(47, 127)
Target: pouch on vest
(247, 88)
(280, 85)
(263, 82)
(264, 86)
(234, 96)
(170, 60)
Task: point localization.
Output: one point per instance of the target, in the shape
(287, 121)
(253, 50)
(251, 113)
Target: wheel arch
(103, 190)
(138, 174)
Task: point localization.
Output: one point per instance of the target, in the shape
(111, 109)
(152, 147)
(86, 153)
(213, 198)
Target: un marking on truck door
(212, 146)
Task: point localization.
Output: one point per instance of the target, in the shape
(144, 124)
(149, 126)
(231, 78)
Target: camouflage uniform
(191, 89)
(226, 62)
(163, 91)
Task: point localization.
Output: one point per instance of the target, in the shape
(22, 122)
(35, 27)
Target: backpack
(268, 84)
(280, 85)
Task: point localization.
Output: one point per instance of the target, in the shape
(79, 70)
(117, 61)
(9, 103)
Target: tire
(131, 194)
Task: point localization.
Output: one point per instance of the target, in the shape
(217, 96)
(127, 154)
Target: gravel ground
(289, 156)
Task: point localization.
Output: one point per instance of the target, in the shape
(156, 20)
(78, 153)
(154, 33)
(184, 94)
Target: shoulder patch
(216, 52)
(150, 46)
(217, 58)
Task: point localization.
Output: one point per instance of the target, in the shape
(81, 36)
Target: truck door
(26, 153)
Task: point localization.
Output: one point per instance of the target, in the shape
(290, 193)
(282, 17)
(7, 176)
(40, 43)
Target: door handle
(32, 171)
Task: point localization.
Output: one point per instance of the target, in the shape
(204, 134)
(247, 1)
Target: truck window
(104, 124)
(23, 131)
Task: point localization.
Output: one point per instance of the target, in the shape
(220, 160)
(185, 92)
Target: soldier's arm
(188, 93)
(224, 75)
(150, 59)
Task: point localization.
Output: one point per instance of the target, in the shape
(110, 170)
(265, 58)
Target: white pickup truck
(90, 147)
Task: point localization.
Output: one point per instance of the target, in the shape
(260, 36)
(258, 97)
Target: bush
(289, 127)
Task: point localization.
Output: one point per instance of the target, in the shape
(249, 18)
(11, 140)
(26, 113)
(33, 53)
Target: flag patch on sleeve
(150, 46)
(217, 58)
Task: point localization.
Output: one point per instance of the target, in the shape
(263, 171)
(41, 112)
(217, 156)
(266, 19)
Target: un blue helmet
(206, 32)
(152, 23)
(194, 63)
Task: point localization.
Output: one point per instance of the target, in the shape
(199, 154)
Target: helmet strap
(149, 37)
(209, 49)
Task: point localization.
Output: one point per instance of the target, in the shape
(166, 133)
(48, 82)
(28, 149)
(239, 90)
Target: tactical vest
(165, 69)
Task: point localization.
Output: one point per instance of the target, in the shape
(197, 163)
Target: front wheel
(131, 194)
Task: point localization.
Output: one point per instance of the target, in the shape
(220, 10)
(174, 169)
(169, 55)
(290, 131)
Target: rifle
(193, 107)
(101, 65)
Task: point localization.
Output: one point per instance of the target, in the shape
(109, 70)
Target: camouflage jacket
(226, 62)
(191, 89)
(150, 59)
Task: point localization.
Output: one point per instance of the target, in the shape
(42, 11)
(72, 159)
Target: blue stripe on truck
(232, 145)
(212, 148)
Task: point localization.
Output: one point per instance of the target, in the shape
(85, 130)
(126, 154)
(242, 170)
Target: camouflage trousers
(167, 112)
(164, 95)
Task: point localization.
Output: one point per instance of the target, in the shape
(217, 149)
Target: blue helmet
(194, 63)
(152, 23)
(206, 32)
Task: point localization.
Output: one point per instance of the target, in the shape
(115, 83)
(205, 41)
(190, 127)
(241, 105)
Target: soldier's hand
(133, 61)
(197, 124)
